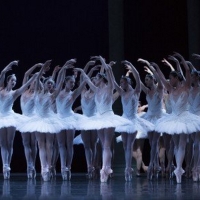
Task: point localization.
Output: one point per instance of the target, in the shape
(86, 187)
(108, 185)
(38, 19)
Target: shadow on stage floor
(18, 187)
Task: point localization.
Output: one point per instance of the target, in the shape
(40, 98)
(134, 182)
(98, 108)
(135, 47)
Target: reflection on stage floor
(18, 187)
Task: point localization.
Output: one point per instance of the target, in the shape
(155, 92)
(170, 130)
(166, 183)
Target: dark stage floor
(18, 187)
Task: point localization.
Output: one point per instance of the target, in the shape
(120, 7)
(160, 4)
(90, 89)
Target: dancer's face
(49, 85)
(148, 81)
(98, 80)
(70, 83)
(123, 84)
(194, 78)
(93, 80)
(12, 82)
(173, 81)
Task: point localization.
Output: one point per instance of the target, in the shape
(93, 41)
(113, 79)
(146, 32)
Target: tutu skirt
(50, 124)
(11, 119)
(138, 125)
(108, 120)
(184, 123)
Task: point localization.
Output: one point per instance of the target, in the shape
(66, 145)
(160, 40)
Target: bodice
(179, 104)
(27, 103)
(88, 105)
(103, 101)
(43, 104)
(6, 102)
(194, 103)
(64, 103)
(154, 103)
(130, 105)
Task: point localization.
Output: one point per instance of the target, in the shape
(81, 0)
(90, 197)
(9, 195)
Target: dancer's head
(101, 77)
(125, 81)
(70, 82)
(49, 84)
(195, 76)
(175, 78)
(11, 81)
(150, 80)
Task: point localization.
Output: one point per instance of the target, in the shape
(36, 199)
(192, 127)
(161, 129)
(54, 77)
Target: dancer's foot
(91, 173)
(178, 173)
(45, 174)
(105, 174)
(31, 173)
(128, 174)
(52, 171)
(66, 174)
(195, 174)
(150, 173)
(6, 172)
(138, 173)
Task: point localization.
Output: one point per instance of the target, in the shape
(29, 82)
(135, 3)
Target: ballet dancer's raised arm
(136, 75)
(5, 70)
(144, 88)
(187, 81)
(196, 56)
(178, 66)
(28, 72)
(55, 71)
(168, 64)
(161, 76)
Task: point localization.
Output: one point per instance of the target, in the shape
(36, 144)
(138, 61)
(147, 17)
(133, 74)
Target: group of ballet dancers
(170, 120)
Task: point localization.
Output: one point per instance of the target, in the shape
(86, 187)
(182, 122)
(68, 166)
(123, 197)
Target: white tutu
(11, 119)
(138, 125)
(185, 122)
(78, 140)
(50, 124)
(108, 120)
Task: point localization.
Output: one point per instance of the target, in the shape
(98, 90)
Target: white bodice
(27, 103)
(88, 105)
(6, 102)
(64, 103)
(179, 104)
(104, 101)
(154, 104)
(194, 103)
(43, 104)
(130, 105)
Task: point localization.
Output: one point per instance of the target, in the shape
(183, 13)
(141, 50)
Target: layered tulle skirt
(183, 123)
(139, 125)
(42, 124)
(11, 119)
(109, 120)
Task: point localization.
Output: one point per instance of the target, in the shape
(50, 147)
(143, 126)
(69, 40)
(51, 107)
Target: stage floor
(18, 187)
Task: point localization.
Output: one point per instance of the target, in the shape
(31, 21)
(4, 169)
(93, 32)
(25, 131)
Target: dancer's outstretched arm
(5, 70)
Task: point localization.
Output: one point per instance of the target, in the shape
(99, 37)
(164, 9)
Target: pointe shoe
(171, 171)
(105, 174)
(178, 173)
(145, 168)
(157, 170)
(31, 173)
(150, 173)
(45, 175)
(66, 174)
(188, 172)
(52, 171)
(195, 176)
(6, 172)
(128, 174)
(91, 173)
(138, 173)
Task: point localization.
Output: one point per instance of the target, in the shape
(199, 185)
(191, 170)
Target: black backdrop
(33, 32)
